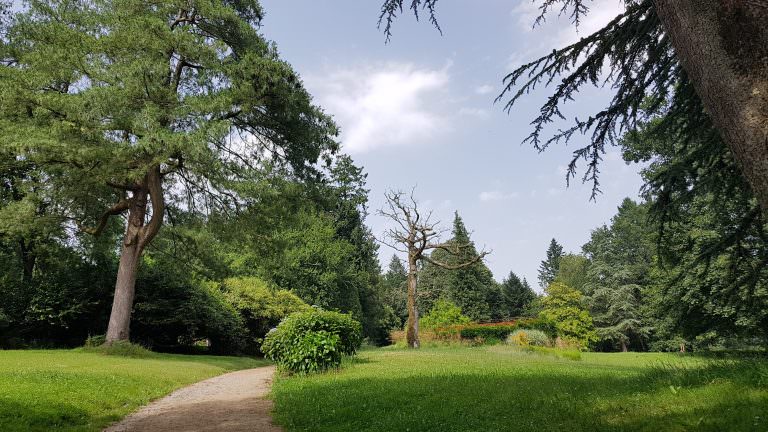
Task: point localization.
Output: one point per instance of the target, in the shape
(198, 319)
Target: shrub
(495, 332)
(312, 341)
(443, 314)
(528, 337)
(260, 307)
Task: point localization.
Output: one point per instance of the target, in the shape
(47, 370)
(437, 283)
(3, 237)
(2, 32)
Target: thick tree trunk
(412, 332)
(137, 236)
(723, 47)
(623, 346)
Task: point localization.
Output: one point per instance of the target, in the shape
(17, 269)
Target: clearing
(498, 388)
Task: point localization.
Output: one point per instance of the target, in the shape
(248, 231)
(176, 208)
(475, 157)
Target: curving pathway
(231, 402)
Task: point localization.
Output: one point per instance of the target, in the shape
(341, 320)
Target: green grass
(77, 390)
(502, 389)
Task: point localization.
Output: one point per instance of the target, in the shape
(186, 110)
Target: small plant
(526, 337)
(117, 348)
(312, 341)
(95, 341)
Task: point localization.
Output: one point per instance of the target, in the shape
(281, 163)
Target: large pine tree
(471, 288)
(549, 267)
(151, 104)
(517, 295)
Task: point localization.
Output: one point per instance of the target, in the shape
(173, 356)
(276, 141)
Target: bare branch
(465, 264)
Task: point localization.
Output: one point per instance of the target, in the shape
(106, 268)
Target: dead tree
(415, 234)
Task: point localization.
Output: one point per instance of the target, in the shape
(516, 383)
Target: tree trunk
(723, 47)
(137, 236)
(623, 346)
(412, 332)
(28, 260)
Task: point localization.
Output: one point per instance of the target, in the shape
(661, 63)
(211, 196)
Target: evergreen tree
(395, 290)
(621, 260)
(472, 287)
(517, 295)
(151, 104)
(551, 264)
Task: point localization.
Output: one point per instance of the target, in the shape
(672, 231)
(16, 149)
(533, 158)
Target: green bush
(494, 332)
(260, 307)
(443, 314)
(312, 341)
(500, 331)
(528, 337)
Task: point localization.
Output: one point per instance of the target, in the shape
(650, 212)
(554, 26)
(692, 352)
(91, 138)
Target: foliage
(472, 288)
(443, 314)
(619, 278)
(500, 331)
(562, 306)
(120, 349)
(710, 233)
(394, 290)
(517, 296)
(551, 264)
(573, 271)
(75, 390)
(259, 306)
(527, 337)
(312, 341)
(462, 389)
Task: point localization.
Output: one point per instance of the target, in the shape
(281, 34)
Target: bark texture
(137, 236)
(723, 47)
(412, 332)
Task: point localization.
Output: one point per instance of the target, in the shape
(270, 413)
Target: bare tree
(415, 234)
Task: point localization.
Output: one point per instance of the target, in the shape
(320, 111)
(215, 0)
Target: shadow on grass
(33, 416)
(713, 397)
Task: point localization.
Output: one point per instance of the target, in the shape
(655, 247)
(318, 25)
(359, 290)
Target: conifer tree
(551, 264)
(395, 289)
(154, 104)
(517, 295)
(471, 287)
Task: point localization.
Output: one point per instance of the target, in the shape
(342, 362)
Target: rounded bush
(312, 341)
(528, 337)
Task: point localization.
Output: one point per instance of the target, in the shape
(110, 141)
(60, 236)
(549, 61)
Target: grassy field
(78, 391)
(500, 389)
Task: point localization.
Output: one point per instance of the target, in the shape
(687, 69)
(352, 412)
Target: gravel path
(232, 402)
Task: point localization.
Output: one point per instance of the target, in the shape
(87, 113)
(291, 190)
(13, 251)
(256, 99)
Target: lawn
(78, 391)
(500, 389)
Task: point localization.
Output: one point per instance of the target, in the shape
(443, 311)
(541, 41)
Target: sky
(419, 111)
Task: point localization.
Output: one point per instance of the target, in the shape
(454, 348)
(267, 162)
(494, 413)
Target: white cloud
(496, 195)
(382, 105)
(483, 89)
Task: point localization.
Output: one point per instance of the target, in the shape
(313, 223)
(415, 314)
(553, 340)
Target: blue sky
(419, 111)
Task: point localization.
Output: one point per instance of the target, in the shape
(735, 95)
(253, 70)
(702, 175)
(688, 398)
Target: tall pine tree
(472, 287)
(549, 267)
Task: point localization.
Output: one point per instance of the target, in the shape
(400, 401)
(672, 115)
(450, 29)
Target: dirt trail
(231, 402)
